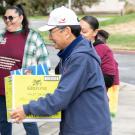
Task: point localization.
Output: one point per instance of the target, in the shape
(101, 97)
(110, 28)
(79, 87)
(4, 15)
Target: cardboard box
(20, 89)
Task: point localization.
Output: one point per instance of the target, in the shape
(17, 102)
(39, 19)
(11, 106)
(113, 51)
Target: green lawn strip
(118, 20)
(115, 41)
(122, 42)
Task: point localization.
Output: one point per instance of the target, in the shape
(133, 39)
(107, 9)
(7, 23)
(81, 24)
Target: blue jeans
(31, 128)
(6, 127)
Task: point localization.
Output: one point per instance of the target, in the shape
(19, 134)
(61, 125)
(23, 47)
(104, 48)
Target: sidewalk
(123, 123)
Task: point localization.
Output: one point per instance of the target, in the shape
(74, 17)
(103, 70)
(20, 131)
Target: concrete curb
(124, 85)
(123, 51)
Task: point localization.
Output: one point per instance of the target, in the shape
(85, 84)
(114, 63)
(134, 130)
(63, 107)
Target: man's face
(57, 35)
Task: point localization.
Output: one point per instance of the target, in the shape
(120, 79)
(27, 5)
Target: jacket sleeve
(41, 52)
(73, 82)
(35, 51)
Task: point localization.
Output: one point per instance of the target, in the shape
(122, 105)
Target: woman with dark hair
(20, 47)
(113, 91)
(90, 30)
(109, 66)
(102, 35)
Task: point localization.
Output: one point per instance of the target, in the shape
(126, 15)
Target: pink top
(109, 65)
(11, 55)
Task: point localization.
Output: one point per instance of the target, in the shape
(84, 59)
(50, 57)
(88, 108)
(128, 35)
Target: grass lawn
(115, 41)
(118, 20)
(122, 42)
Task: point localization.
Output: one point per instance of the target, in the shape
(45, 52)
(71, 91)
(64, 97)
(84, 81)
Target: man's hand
(18, 114)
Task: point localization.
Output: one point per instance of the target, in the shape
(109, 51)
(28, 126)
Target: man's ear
(68, 29)
(67, 32)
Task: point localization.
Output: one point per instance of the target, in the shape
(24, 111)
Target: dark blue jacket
(81, 93)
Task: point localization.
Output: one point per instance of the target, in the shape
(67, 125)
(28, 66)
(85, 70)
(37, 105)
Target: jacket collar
(63, 54)
(98, 42)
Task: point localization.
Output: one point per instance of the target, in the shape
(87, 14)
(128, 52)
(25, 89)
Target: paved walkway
(123, 124)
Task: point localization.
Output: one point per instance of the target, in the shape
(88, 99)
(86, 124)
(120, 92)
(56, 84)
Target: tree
(57, 3)
(34, 7)
(10, 2)
(75, 3)
(80, 3)
(43, 7)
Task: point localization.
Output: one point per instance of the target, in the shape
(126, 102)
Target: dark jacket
(81, 93)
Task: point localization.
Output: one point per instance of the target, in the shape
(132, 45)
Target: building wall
(106, 6)
(131, 1)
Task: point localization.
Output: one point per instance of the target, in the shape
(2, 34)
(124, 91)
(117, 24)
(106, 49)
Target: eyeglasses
(10, 18)
(53, 30)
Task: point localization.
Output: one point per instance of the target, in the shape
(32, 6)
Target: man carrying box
(81, 93)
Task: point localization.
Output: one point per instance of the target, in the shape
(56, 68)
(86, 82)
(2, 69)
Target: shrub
(129, 8)
(1, 10)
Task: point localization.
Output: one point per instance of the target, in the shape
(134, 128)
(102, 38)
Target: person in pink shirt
(102, 36)
(109, 66)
